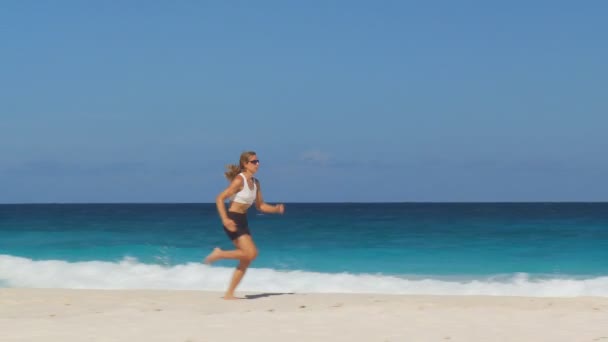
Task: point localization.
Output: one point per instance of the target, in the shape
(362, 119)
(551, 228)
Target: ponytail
(232, 171)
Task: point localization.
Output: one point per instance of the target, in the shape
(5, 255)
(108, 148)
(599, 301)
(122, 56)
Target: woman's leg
(246, 246)
(218, 254)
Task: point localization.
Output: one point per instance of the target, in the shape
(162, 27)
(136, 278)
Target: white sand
(145, 315)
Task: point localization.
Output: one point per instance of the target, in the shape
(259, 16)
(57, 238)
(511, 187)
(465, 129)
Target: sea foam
(129, 273)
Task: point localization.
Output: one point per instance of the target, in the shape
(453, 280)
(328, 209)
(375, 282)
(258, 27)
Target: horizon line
(332, 202)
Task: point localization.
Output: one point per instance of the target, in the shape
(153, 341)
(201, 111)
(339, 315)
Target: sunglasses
(255, 161)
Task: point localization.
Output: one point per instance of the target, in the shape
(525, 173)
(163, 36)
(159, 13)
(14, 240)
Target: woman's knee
(251, 254)
(250, 251)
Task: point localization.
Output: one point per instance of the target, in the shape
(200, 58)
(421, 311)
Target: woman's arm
(265, 207)
(232, 189)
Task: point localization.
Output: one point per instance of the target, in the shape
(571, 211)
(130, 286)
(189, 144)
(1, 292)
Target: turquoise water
(395, 246)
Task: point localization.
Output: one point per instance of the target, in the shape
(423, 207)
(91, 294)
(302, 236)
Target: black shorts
(242, 227)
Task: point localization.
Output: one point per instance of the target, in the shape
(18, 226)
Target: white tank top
(246, 196)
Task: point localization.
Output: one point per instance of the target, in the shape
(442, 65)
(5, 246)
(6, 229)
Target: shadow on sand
(262, 295)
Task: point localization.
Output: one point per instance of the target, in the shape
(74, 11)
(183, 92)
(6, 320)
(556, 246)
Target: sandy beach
(193, 316)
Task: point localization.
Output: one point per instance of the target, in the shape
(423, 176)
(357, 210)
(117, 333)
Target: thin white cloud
(315, 156)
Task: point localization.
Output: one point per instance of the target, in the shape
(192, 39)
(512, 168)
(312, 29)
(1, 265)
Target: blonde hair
(233, 169)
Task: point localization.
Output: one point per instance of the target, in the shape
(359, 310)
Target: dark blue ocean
(532, 249)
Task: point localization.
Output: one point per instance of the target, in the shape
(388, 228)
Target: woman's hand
(280, 208)
(229, 224)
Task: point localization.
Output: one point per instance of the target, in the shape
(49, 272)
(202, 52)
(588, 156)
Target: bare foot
(213, 256)
(231, 297)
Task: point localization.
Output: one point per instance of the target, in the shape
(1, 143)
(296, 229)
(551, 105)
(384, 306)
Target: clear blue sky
(146, 101)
